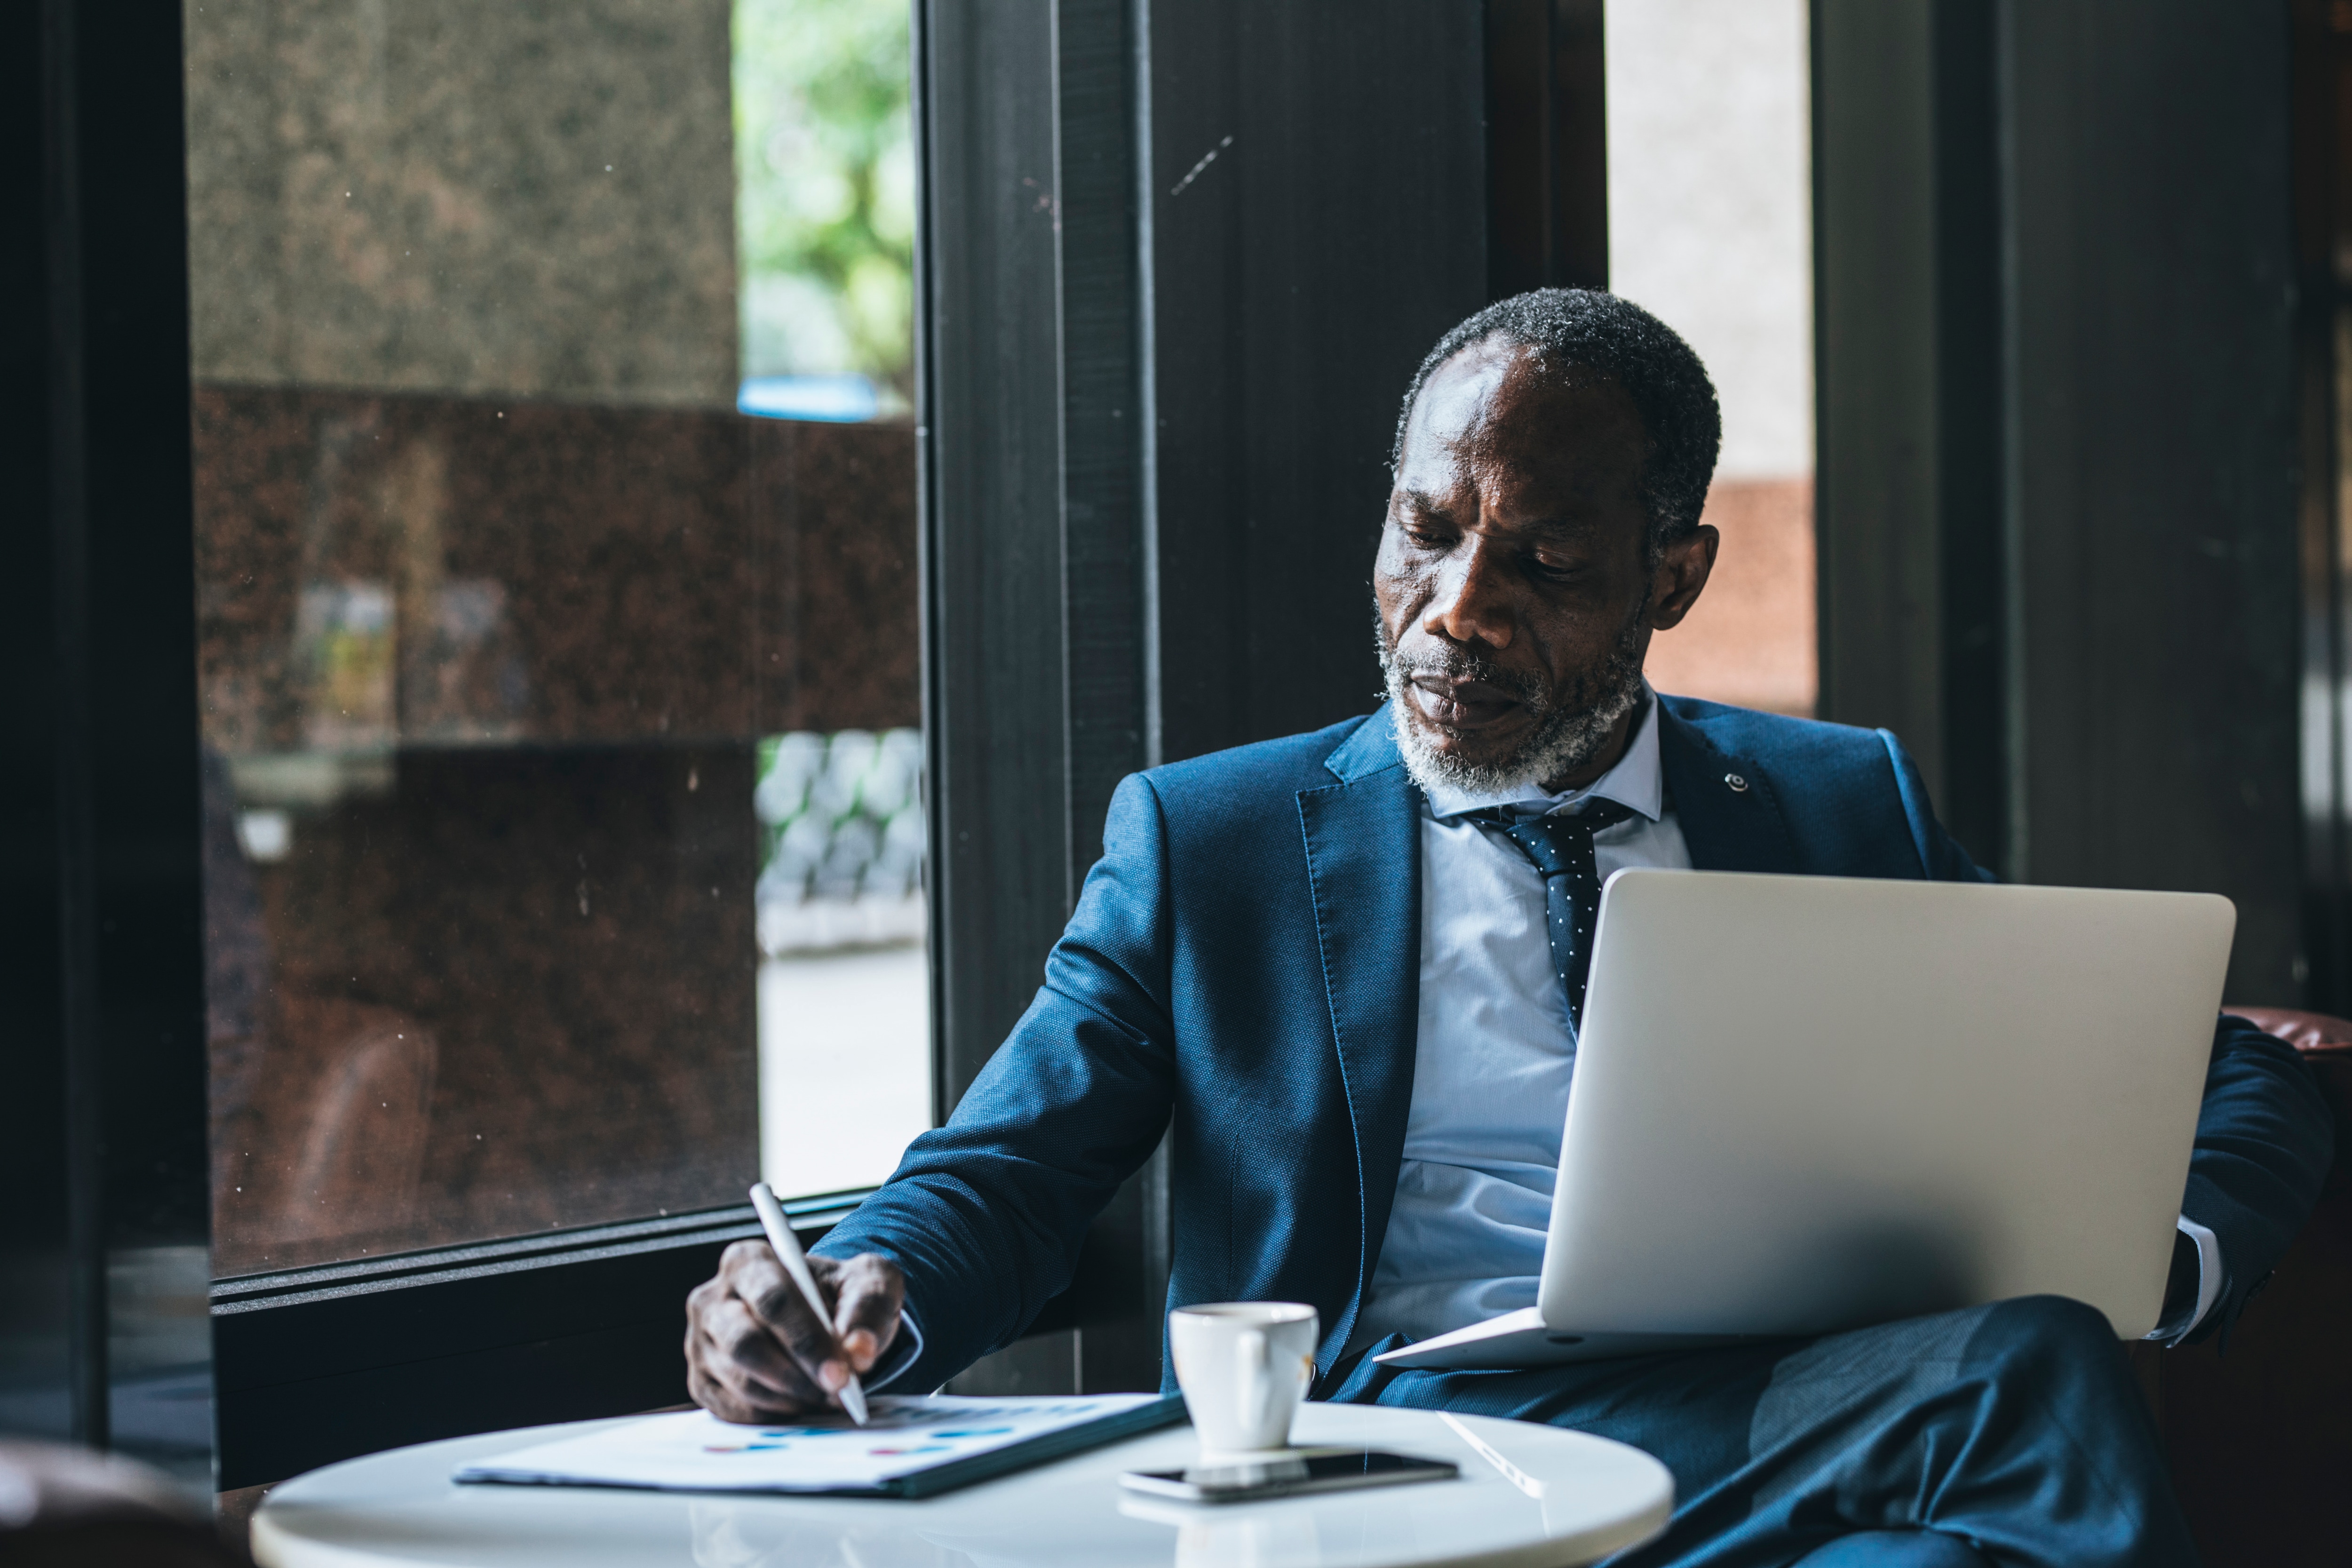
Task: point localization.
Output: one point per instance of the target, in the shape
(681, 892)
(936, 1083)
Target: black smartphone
(1306, 1470)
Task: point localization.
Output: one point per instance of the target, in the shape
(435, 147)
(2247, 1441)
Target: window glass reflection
(845, 1023)
(497, 594)
(825, 156)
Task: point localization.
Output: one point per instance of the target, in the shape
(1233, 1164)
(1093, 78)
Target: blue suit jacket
(1244, 962)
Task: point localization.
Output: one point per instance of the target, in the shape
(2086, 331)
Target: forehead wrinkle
(1476, 373)
(1553, 526)
(1542, 492)
(1482, 440)
(1531, 379)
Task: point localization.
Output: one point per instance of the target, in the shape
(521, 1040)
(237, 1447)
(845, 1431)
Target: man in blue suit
(1344, 970)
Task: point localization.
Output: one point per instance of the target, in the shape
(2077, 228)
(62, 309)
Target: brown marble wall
(527, 198)
(500, 665)
(544, 572)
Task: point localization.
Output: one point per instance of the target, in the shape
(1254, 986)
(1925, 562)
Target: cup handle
(1256, 1376)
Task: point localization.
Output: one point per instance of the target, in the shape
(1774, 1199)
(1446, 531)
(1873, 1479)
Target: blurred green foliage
(825, 184)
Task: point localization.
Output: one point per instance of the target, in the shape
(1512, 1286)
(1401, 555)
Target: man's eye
(1554, 567)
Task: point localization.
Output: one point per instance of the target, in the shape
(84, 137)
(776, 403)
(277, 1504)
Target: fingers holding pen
(735, 1367)
(757, 1352)
(868, 1294)
(732, 1390)
(755, 1361)
(759, 1284)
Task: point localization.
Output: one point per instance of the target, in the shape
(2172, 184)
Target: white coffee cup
(1244, 1366)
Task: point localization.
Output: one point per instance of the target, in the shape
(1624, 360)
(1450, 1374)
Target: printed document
(693, 1451)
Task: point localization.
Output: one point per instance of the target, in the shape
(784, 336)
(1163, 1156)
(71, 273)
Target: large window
(562, 780)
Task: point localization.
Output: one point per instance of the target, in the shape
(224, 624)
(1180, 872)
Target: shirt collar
(1637, 782)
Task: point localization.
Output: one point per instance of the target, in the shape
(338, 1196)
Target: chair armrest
(2316, 1035)
(2325, 1044)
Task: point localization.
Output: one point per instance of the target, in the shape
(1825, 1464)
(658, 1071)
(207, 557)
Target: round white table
(1591, 1497)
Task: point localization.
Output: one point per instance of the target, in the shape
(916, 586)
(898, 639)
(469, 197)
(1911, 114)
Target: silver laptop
(1810, 1103)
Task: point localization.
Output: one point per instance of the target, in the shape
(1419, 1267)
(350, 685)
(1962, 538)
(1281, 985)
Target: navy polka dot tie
(1562, 849)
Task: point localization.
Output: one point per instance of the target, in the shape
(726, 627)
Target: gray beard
(1571, 727)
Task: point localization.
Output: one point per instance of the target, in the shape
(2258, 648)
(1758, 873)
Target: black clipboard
(1046, 1446)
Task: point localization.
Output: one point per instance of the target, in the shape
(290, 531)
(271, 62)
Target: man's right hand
(754, 1351)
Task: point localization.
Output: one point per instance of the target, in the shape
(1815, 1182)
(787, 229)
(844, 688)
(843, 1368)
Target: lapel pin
(1735, 782)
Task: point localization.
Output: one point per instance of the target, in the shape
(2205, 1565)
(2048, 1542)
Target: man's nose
(1472, 603)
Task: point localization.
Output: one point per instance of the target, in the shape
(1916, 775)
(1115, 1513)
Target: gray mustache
(1456, 665)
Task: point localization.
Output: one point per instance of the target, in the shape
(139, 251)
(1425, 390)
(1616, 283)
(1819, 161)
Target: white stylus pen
(795, 1262)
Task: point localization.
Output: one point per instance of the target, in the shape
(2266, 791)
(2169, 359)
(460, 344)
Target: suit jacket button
(1735, 781)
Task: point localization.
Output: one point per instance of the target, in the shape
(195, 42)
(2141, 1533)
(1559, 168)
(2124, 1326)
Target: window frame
(102, 1139)
(317, 1364)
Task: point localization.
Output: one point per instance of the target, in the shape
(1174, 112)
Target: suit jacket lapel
(1726, 805)
(1363, 860)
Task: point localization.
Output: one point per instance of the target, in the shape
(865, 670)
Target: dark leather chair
(2258, 1431)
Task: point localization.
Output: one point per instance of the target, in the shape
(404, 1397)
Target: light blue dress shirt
(1494, 1051)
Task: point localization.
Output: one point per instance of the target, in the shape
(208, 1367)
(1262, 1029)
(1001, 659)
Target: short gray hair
(1600, 332)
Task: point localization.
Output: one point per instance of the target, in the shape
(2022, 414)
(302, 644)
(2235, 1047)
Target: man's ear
(1681, 573)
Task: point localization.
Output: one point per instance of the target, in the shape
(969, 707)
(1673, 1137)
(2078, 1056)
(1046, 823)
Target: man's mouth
(1462, 704)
